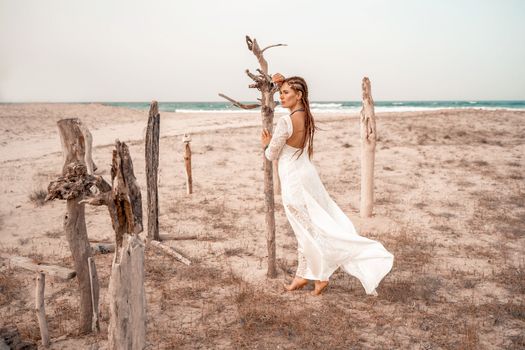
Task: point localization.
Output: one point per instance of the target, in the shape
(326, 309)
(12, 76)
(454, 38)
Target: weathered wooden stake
(368, 146)
(51, 270)
(186, 139)
(152, 165)
(94, 285)
(40, 308)
(170, 251)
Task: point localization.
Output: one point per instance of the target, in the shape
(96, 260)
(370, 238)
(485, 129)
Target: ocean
(328, 107)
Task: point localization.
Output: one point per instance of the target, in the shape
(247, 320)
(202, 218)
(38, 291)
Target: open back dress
(326, 237)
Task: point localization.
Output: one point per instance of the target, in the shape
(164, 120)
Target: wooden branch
(268, 47)
(94, 293)
(253, 46)
(52, 270)
(256, 78)
(170, 251)
(265, 76)
(40, 308)
(168, 237)
(239, 104)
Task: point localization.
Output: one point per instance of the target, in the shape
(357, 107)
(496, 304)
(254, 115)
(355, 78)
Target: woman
(326, 237)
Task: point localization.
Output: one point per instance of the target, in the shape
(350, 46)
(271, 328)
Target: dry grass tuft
(410, 250)
(513, 278)
(9, 286)
(64, 319)
(497, 213)
(38, 197)
(54, 234)
(234, 251)
(404, 291)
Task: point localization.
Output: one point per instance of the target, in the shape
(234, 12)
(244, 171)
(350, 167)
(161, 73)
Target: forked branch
(239, 104)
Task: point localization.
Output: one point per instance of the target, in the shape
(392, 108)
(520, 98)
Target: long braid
(299, 84)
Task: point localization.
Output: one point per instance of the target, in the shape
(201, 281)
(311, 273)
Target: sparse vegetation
(38, 197)
(454, 220)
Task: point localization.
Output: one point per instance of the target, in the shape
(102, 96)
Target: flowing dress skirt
(326, 237)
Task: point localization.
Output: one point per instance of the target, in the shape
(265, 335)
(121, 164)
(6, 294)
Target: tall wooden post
(263, 82)
(152, 165)
(368, 145)
(74, 222)
(186, 139)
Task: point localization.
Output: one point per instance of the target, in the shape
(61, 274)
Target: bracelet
(265, 147)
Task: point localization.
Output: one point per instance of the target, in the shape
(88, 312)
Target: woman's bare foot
(320, 286)
(297, 283)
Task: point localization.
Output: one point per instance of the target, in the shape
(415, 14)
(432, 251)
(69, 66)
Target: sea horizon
(331, 106)
(316, 106)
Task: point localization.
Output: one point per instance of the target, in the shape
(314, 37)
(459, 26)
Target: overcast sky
(103, 50)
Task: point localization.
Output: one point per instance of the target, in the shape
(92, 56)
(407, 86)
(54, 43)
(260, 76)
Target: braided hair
(298, 84)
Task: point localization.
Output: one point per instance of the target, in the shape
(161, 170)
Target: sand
(450, 206)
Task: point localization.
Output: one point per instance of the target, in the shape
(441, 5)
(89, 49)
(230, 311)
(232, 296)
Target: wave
(330, 107)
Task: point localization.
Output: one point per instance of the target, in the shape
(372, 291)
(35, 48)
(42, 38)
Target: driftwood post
(40, 308)
(127, 300)
(186, 139)
(72, 186)
(368, 146)
(152, 165)
(95, 324)
(263, 82)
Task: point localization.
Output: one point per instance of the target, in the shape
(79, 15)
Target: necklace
(297, 110)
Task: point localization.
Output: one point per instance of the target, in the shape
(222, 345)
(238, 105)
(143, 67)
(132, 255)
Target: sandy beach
(449, 204)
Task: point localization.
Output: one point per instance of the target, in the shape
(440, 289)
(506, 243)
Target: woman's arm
(273, 147)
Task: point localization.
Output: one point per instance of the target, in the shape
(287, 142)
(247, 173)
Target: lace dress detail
(326, 237)
(282, 132)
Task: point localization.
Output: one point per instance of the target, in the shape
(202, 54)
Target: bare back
(297, 138)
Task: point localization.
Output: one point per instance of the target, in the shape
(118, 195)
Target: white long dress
(326, 237)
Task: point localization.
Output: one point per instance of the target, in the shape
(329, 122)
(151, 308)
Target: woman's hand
(265, 138)
(278, 79)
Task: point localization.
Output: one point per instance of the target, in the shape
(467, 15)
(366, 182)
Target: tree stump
(72, 186)
(152, 165)
(368, 145)
(127, 300)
